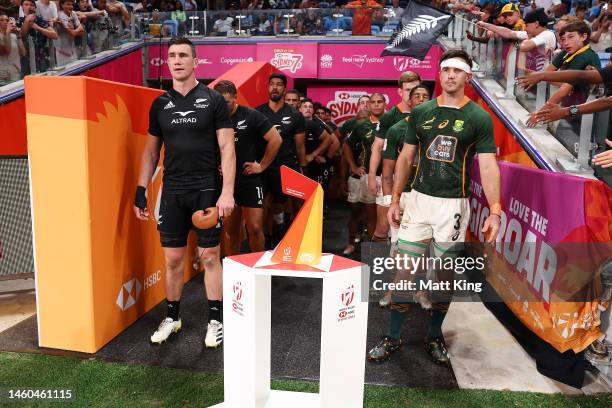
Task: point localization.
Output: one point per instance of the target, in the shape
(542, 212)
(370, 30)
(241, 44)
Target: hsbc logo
(237, 292)
(404, 63)
(343, 96)
(129, 294)
(287, 61)
(157, 62)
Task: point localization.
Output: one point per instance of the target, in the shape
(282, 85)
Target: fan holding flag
(417, 31)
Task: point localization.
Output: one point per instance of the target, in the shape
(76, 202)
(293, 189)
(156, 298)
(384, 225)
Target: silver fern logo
(421, 23)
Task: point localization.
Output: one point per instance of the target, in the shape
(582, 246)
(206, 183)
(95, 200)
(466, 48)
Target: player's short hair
(181, 41)
(456, 54)
(408, 76)
(293, 91)
(421, 86)
(577, 26)
(379, 94)
(226, 87)
(277, 75)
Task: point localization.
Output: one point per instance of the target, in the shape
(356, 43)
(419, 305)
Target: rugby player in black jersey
(251, 129)
(290, 124)
(317, 142)
(192, 122)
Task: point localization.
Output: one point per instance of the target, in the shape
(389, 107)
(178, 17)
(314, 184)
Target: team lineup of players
(405, 172)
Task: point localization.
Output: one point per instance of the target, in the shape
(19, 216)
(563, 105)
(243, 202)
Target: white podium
(247, 332)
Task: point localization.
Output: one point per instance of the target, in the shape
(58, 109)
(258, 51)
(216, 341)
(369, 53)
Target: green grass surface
(96, 383)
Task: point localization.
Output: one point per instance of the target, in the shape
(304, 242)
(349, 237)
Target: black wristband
(141, 198)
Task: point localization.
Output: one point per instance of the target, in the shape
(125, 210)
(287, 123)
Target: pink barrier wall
(304, 60)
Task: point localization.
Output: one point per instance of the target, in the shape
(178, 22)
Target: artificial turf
(97, 383)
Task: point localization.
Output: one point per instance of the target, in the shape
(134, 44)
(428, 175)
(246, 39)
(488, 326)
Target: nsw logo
(287, 61)
(326, 61)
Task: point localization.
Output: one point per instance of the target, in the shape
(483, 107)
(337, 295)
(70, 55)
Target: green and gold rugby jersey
(394, 143)
(447, 139)
(360, 141)
(390, 118)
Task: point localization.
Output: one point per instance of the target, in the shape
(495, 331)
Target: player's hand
(491, 228)
(140, 204)
(320, 159)
(372, 185)
(604, 159)
(393, 215)
(141, 214)
(225, 204)
(309, 158)
(251, 168)
(528, 81)
(550, 112)
(358, 171)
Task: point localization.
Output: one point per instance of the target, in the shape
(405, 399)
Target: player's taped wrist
(495, 209)
(141, 199)
(396, 197)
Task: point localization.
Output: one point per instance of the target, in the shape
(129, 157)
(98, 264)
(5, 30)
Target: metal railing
(502, 61)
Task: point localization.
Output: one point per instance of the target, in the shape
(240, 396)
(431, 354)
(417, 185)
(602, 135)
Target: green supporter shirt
(579, 62)
(389, 119)
(447, 139)
(360, 141)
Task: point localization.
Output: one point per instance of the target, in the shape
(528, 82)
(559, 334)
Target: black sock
(173, 307)
(215, 310)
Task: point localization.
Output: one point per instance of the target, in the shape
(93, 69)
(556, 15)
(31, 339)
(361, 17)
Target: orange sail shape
(303, 241)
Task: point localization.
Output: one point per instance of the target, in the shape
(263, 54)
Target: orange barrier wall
(13, 113)
(92, 256)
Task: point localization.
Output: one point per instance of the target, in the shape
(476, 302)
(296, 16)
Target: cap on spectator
(509, 8)
(282, 77)
(538, 15)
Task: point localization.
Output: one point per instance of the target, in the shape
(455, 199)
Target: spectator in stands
(551, 7)
(312, 23)
(180, 17)
(10, 7)
(512, 17)
(118, 14)
(264, 26)
(576, 55)
(69, 28)
(536, 34)
(87, 16)
(222, 25)
(581, 12)
(601, 39)
(189, 5)
(12, 50)
(362, 16)
(145, 6)
(39, 30)
(397, 11)
(559, 25)
(48, 10)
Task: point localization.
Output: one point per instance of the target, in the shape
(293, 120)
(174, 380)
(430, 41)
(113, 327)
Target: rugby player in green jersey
(360, 141)
(406, 82)
(443, 134)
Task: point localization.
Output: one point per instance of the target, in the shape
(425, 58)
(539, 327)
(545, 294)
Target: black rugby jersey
(289, 122)
(250, 127)
(187, 125)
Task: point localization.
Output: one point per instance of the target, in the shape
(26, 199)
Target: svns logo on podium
(237, 305)
(346, 297)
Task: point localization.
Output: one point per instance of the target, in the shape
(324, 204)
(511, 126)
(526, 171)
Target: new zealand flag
(418, 30)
